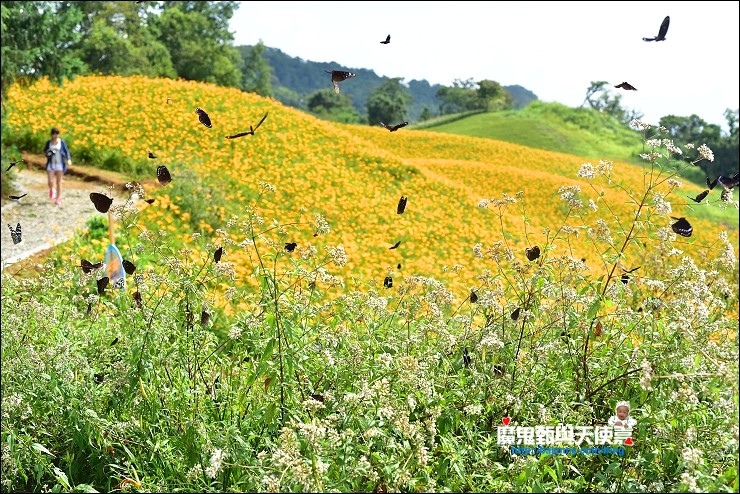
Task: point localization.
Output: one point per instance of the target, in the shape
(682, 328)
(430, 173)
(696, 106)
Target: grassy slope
(353, 175)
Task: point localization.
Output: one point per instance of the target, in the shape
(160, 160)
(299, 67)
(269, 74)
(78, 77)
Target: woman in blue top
(57, 160)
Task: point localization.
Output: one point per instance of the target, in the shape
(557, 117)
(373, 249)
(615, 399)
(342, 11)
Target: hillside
(295, 78)
(353, 175)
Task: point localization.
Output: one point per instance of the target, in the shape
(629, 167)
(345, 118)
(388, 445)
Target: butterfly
(129, 267)
(532, 253)
(318, 397)
(729, 183)
(15, 198)
(119, 284)
(387, 40)
(137, 298)
(114, 341)
(473, 297)
(15, 234)
(103, 284)
(712, 184)
(682, 227)
(395, 246)
(149, 201)
(12, 164)
(627, 86)
(700, 197)
(290, 246)
(203, 117)
(401, 205)
(101, 201)
(338, 76)
(163, 175)
(626, 277)
(399, 265)
(169, 101)
(498, 370)
(394, 128)
(662, 31)
(88, 267)
(217, 254)
(388, 282)
(151, 156)
(597, 330)
(250, 131)
(204, 317)
(515, 314)
(466, 357)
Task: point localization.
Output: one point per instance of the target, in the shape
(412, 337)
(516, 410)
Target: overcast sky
(554, 49)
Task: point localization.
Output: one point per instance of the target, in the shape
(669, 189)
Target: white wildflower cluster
(473, 409)
(639, 124)
(592, 205)
(674, 183)
(653, 143)
(570, 230)
(386, 359)
(266, 186)
(320, 225)
(235, 332)
(672, 148)
(693, 457)
(587, 171)
(377, 304)
(217, 458)
(651, 156)
(308, 252)
(705, 152)
(601, 231)
(337, 255)
(271, 483)
(688, 479)
(605, 167)
(478, 251)
(647, 375)
(727, 258)
(661, 205)
(505, 200)
(233, 221)
(569, 194)
(491, 342)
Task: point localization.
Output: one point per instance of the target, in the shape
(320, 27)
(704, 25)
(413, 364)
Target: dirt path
(44, 224)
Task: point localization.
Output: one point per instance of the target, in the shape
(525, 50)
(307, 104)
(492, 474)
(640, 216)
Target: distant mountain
(294, 79)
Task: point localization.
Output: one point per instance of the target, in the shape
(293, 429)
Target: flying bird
(338, 76)
(203, 117)
(12, 164)
(394, 128)
(250, 131)
(15, 198)
(626, 86)
(662, 32)
(387, 40)
(700, 197)
(395, 246)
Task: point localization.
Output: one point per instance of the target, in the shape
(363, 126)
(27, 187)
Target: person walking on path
(57, 161)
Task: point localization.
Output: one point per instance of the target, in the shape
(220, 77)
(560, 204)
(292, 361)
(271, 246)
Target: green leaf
(41, 449)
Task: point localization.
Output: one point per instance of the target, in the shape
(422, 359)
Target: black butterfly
(532, 253)
(217, 254)
(473, 297)
(729, 183)
(129, 267)
(466, 357)
(203, 117)
(88, 267)
(137, 298)
(15, 198)
(151, 156)
(399, 265)
(498, 370)
(388, 282)
(401, 205)
(626, 277)
(101, 201)
(394, 128)
(387, 40)
(290, 246)
(12, 164)
(204, 317)
(682, 227)
(250, 131)
(120, 284)
(712, 184)
(338, 76)
(103, 284)
(700, 197)
(114, 341)
(163, 175)
(149, 201)
(395, 246)
(318, 397)
(627, 86)
(662, 32)
(15, 234)
(515, 314)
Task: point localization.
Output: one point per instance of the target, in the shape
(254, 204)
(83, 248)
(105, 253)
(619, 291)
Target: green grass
(551, 126)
